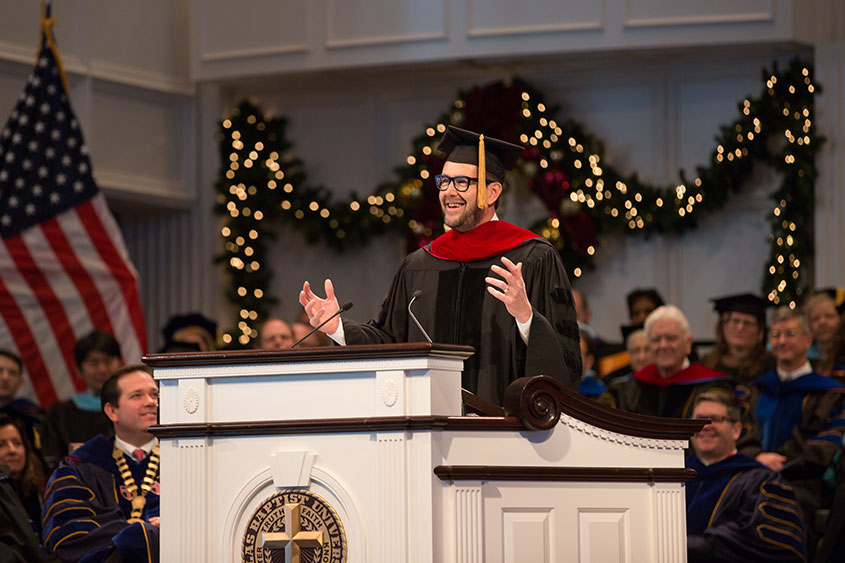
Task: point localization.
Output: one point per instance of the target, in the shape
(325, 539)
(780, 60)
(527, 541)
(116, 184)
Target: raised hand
(319, 309)
(510, 289)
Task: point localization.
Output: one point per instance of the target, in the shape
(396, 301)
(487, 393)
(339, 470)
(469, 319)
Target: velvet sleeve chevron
(819, 436)
(76, 519)
(757, 519)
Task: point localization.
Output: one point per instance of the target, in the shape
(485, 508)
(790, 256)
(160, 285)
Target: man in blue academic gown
(485, 283)
(102, 502)
(737, 509)
(799, 412)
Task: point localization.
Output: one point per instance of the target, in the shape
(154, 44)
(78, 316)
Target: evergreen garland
(260, 183)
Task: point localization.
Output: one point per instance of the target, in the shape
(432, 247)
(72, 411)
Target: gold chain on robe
(138, 501)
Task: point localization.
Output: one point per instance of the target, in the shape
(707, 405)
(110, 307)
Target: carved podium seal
(297, 526)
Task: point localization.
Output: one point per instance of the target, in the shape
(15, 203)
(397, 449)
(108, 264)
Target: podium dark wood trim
(322, 353)
(531, 473)
(531, 403)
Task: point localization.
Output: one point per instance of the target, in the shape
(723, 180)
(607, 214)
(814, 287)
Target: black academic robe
(740, 511)
(647, 393)
(455, 308)
(804, 420)
(66, 424)
(86, 508)
(18, 541)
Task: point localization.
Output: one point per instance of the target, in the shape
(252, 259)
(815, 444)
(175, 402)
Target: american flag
(64, 269)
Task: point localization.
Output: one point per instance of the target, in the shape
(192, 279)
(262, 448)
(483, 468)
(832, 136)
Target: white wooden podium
(377, 434)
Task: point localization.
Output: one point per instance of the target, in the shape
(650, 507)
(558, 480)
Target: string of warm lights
(563, 165)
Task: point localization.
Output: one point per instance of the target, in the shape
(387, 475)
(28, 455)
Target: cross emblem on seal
(293, 539)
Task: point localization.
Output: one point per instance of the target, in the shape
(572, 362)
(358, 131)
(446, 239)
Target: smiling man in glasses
(799, 412)
(485, 283)
(737, 509)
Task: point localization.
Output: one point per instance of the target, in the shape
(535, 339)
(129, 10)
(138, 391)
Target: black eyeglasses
(461, 182)
(717, 418)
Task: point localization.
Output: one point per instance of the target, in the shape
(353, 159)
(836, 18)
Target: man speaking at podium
(485, 283)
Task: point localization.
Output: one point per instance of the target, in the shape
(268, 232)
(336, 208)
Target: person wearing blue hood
(799, 413)
(738, 510)
(102, 502)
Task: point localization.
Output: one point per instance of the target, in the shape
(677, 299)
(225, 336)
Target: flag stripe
(27, 348)
(52, 307)
(37, 324)
(107, 287)
(123, 274)
(91, 298)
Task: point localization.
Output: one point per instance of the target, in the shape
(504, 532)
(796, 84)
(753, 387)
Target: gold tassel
(482, 175)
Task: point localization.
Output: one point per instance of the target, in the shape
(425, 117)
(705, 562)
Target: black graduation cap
(747, 303)
(838, 296)
(489, 154)
(190, 319)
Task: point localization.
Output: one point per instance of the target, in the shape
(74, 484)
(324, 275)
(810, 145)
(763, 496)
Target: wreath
(261, 183)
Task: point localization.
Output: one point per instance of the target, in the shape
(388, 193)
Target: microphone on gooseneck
(343, 308)
(416, 295)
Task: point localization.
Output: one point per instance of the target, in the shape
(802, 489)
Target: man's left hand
(510, 290)
(155, 520)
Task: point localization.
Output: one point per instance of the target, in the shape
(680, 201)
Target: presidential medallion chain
(138, 500)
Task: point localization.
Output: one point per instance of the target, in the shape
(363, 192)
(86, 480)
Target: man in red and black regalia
(485, 283)
(670, 385)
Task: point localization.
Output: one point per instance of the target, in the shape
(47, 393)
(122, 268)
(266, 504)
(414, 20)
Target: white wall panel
(135, 134)
(494, 17)
(672, 12)
(351, 23)
(249, 29)
(144, 42)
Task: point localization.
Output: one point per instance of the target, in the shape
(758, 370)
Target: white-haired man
(668, 386)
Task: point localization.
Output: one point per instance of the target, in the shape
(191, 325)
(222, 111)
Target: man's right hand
(319, 309)
(772, 460)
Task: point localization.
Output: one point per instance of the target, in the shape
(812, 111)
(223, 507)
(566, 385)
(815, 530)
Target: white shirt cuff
(339, 336)
(525, 328)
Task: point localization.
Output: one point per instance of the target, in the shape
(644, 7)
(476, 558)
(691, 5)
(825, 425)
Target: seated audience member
(275, 334)
(799, 412)
(584, 315)
(638, 350)
(614, 362)
(24, 468)
(591, 386)
(617, 367)
(641, 302)
(834, 365)
(19, 540)
(823, 309)
(102, 502)
(70, 423)
(192, 327)
(738, 510)
(668, 386)
(18, 408)
(831, 548)
(740, 338)
(317, 339)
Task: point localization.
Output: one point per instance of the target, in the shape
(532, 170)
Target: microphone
(417, 294)
(343, 308)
